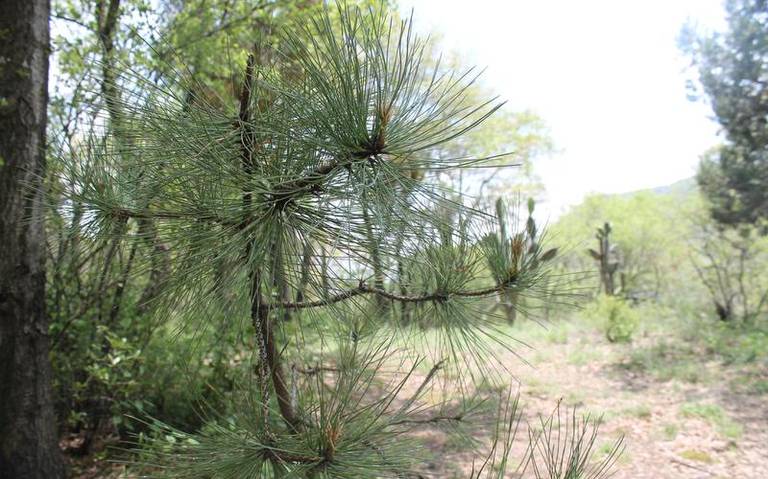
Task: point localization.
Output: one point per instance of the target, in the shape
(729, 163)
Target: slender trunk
(306, 264)
(28, 443)
(510, 306)
(271, 367)
(405, 312)
(117, 298)
(269, 356)
(160, 265)
(101, 285)
(107, 16)
(326, 282)
(375, 252)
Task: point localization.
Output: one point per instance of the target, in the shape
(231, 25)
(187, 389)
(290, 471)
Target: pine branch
(430, 420)
(362, 288)
(126, 213)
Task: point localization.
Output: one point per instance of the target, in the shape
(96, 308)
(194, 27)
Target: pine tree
(303, 216)
(732, 67)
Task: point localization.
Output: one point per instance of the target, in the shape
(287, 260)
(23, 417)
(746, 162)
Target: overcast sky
(606, 76)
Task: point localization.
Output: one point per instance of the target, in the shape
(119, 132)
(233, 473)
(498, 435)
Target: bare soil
(697, 428)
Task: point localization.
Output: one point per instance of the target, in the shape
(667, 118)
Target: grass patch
(679, 350)
(666, 361)
(558, 334)
(670, 431)
(641, 411)
(759, 386)
(583, 356)
(716, 416)
(537, 388)
(736, 343)
(696, 455)
(752, 379)
(552, 332)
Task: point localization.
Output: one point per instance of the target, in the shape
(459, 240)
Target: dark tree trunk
(28, 444)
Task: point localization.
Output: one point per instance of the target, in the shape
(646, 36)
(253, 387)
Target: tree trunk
(28, 444)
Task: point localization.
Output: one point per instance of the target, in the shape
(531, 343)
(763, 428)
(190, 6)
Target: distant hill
(680, 188)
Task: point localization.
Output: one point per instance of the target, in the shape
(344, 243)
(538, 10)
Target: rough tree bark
(28, 445)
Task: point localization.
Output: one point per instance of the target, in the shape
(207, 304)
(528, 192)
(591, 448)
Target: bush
(615, 318)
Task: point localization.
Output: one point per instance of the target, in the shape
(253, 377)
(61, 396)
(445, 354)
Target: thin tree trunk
(160, 266)
(28, 442)
(405, 313)
(378, 270)
(510, 306)
(306, 263)
(108, 15)
(269, 358)
(325, 280)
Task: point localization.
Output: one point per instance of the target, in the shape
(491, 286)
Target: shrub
(616, 319)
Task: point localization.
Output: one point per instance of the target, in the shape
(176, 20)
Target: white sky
(606, 76)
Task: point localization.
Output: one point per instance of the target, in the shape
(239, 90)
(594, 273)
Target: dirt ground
(689, 418)
(699, 427)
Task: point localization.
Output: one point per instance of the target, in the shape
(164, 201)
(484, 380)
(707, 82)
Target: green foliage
(665, 240)
(617, 319)
(346, 434)
(731, 68)
(214, 239)
(731, 264)
(680, 346)
(668, 360)
(101, 289)
(735, 343)
(649, 231)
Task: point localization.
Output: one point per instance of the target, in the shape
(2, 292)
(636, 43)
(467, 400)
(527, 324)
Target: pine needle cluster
(304, 214)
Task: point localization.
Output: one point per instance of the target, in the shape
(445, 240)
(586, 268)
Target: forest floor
(683, 412)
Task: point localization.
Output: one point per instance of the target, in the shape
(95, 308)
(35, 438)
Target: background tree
(28, 433)
(648, 231)
(733, 74)
(731, 264)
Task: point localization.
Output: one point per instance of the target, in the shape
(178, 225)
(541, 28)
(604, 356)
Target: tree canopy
(733, 73)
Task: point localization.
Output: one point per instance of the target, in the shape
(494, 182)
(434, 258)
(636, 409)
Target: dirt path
(673, 428)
